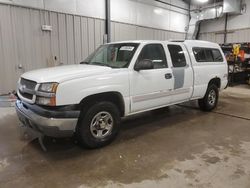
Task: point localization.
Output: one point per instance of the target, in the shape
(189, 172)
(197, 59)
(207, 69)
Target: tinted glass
(199, 54)
(155, 53)
(113, 55)
(177, 55)
(207, 55)
(217, 55)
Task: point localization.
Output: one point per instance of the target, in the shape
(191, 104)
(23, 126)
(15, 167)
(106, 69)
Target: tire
(98, 125)
(210, 100)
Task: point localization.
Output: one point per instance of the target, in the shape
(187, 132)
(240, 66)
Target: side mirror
(145, 64)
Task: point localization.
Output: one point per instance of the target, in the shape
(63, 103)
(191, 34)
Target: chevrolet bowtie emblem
(22, 88)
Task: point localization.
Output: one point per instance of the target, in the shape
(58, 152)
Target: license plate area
(25, 121)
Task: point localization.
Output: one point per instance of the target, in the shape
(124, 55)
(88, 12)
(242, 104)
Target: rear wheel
(98, 125)
(210, 100)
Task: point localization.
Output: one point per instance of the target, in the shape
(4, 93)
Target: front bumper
(47, 122)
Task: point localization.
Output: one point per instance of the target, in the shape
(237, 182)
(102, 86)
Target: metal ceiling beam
(170, 4)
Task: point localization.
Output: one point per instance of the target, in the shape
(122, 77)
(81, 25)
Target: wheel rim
(212, 97)
(101, 125)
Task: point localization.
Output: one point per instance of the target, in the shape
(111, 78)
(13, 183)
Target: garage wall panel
(22, 50)
(33, 44)
(230, 37)
(103, 31)
(145, 33)
(246, 35)
(242, 35)
(5, 47)
(123, 32)
(46, 48)
(130, 32)
(22, 41)
(166, 35)
(15, 46)
(14, 53)
(91, 34)
(84, 38)
(238, 27)
(159, 35)
(2, 68)
(150, 14)
(77, 39)
(54, 38)
(98, 33)
(62, 39)
(72, 39)
(112, 28)
(219, 38)
(176, 36)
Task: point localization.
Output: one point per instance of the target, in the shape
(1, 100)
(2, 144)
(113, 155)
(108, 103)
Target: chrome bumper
(54, 127)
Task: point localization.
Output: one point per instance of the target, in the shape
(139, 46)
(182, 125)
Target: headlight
(48, 87)
(46, 101)
(46, 94)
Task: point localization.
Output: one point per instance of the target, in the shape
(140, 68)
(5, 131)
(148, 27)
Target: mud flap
(40, 140)
(26, 133)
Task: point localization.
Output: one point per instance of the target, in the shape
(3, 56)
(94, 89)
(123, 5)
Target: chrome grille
(27, 88)
(28, 84)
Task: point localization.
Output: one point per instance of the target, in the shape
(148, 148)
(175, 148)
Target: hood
(63, 73)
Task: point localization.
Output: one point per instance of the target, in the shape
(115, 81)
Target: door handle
(168, 76)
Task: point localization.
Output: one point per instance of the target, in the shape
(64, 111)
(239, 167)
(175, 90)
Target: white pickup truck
(118, 80)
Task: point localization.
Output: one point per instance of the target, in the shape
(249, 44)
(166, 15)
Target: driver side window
(155, 53)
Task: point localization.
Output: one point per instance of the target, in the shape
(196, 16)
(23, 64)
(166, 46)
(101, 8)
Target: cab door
(151, 88)
(183, 77)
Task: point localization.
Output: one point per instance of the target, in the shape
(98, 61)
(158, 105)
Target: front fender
(73, 91)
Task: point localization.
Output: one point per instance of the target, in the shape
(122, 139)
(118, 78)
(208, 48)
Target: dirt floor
(178, 146)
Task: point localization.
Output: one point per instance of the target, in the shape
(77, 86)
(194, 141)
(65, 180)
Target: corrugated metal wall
(72, 39)
(22, 41)
(234, 36)
(237, 25)
(121, 31)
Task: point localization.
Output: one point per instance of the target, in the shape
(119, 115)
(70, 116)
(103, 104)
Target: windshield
(113, 55)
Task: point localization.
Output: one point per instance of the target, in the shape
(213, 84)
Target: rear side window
(177, 55)
(155, 53)
(217, 55)
(199, 54)
(207, 55)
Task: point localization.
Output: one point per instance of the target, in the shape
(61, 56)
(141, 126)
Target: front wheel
(99, 125)
(210, 100)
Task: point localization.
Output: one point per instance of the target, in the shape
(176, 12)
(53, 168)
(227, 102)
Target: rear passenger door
(182, 73)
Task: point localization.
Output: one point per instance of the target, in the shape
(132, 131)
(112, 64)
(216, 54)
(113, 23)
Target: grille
(27, 87)
(28, 84)
(26, 95)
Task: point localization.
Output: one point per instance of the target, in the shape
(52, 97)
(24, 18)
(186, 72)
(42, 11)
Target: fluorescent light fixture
(202, 1)
(158, 11)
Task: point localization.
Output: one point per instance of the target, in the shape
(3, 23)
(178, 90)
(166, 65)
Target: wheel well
(114, 97)
(215, 81)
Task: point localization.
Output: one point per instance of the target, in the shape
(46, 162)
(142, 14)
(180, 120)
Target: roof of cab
(137, 41)
(200, 43)
(189, 43)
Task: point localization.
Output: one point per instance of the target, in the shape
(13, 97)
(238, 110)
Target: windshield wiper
(84, 62)
(100, 64)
